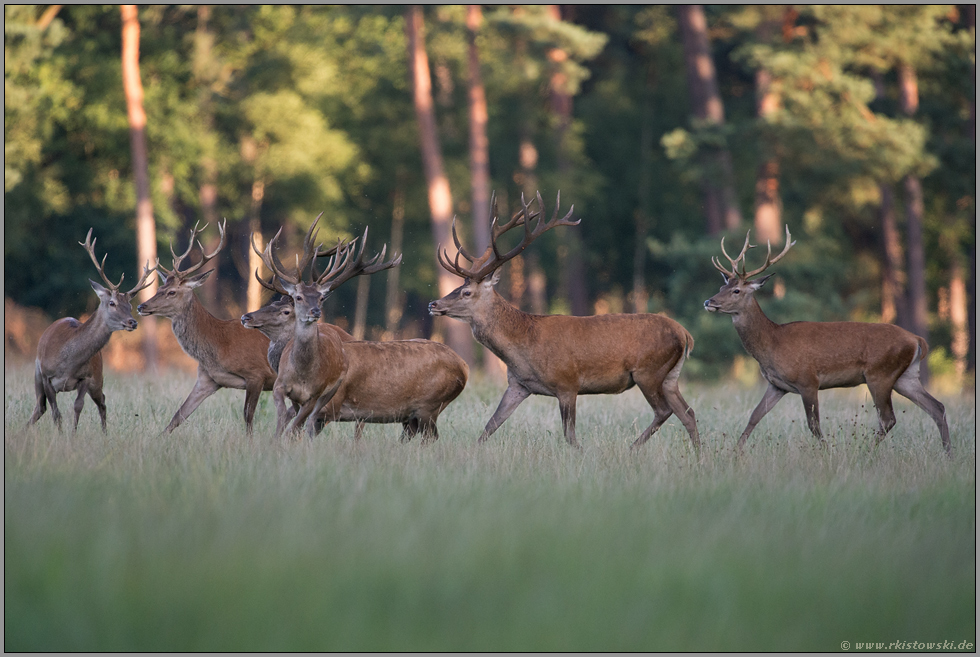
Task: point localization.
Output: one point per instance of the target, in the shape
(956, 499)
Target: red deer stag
(804, 357)
(313, 364)
(563, 356)
(407, 381)
(227, 354)
(69, 353)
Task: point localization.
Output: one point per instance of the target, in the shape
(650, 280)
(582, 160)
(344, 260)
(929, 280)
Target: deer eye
(467, 293)
(736, 291)
(171, 293)
(285, 312)
(112, 304)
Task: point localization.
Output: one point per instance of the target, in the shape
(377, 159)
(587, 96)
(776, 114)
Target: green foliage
(312, 106)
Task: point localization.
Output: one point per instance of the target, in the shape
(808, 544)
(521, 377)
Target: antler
(492, 258)
(89, 245)
(769, 259)
(343, 265)
(205, 257)
(743, 275)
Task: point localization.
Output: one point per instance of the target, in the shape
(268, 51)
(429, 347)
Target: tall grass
(209, 540)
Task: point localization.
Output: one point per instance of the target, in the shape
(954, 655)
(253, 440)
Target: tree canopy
(314, 104)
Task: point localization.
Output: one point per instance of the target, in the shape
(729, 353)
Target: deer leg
(811, 406)
(566, 406)
(358, 430)
(661, 413)
(203, 388)
(429, 432)
(409, 429)
(99, 398)
(283, 415)
(42, 399)
(513, 396)
(773, 395)
(683, 412)
(882, 397)
(909, 386)
(79, 403)
(52, 398)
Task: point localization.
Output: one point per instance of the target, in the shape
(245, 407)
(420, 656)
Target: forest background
(667, 127)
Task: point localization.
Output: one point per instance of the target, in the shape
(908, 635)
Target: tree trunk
(721, 207)
(360, 307)
(570, 255)
(893, 306)
(641, 217)
(970, 18)
(479, 144)
(768, 206)
(253, 299)
(208, 192)
(393, 296)
(958, 316)
(914, 215)
(457, 333)
(146, 239)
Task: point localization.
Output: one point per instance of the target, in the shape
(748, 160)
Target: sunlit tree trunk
(570, 256)
(208, 193)
(720, 204)
(457, 333)
(970, 19)
(479, 144)
(914, 215)
(146, 236)
(768, 206)
(360, 307)
(957, 315)
(254, 291)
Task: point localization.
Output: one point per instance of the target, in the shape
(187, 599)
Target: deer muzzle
(435, 310)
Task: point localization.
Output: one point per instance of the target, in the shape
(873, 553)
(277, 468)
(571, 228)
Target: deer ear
(494, 279)
(724, 277)
(759, 282)
(198, 280)
(101, 291)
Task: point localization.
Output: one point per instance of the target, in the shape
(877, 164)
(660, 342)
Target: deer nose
(433, 310)
(246, 318)
(141, 309)
(315, 313)
(131, 324)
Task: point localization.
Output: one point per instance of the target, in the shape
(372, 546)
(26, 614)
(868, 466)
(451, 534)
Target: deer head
(115, 306)
(482, 274)
(176, 290)
(738, 289)
(346, 261)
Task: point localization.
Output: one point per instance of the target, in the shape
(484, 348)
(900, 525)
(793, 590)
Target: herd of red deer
(327, 375)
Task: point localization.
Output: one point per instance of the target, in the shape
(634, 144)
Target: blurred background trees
(666, 127)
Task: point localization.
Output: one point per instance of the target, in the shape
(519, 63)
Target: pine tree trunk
(253, 299)
(457, 333)
(479, 144)
(893, 306)
(393, 296)
(641, 217)
(360, 307)
(768, 207)
(720, 203)
(146, 239)
(208, 192)
(914, 215)
(571, 257)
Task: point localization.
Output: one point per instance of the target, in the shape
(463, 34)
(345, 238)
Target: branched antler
(492, 259)
(743, 275)
(143, 282)
(205, 257)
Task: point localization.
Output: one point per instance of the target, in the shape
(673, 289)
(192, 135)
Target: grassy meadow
(207, 540)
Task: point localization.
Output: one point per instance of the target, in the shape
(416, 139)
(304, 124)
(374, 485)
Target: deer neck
(193, 329)
(502, 327)
(88, 340)
(306, 344)
(756, 331)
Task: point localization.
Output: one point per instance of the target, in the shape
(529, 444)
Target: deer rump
(396, 382)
